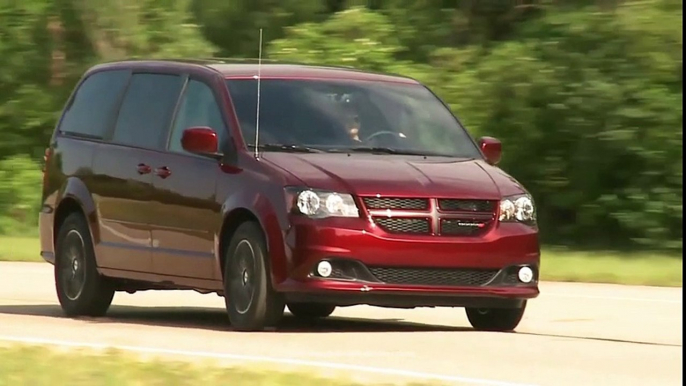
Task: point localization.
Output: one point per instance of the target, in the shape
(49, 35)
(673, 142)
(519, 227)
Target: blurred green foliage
(20, 194)
(586, 95)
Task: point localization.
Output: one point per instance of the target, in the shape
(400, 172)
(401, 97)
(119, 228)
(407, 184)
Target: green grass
(19, 249)
(557, 265)
(21, 365)
(612, 267)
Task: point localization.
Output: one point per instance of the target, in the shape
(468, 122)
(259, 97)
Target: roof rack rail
(208, 61)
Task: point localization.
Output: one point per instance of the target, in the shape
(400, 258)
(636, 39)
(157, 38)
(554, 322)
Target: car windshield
(334, 115)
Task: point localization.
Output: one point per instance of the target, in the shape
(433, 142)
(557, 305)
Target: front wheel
(251, 301)
(311, 310)
(495, 319)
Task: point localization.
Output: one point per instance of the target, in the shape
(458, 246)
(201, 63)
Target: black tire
(251, 301)
(80, 288)
(311, 310)
(495, 319)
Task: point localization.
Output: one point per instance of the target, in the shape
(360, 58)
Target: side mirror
(492, 149)
(200, 140)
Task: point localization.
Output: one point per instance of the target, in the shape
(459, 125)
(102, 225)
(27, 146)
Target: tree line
(586, 95)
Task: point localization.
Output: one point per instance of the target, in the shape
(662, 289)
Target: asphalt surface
(573, 334)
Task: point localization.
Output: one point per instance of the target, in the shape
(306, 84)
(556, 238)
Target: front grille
(404, 225)
(434, 277)
(459, 227)
(415, 215)
(375, 203)
(455, 205)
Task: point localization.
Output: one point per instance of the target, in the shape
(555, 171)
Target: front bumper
(375, 268)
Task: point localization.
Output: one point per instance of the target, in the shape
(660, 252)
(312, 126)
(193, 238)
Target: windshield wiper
(386, 150)
(287, 147)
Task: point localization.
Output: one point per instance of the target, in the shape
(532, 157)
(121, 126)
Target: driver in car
(354, 128)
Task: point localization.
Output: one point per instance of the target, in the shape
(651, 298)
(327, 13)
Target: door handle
(144, 169)
(163, 172)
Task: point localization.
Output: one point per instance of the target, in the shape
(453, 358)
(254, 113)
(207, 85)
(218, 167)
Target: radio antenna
(259, 78)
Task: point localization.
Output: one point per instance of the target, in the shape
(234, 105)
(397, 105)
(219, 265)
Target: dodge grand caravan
(308, 187)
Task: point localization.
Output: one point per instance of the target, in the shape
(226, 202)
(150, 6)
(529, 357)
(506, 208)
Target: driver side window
(198, 108)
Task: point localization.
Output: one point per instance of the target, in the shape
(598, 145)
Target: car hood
(370, 174)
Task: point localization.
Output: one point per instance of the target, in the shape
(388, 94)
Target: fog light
(525, 274)
(324, 269)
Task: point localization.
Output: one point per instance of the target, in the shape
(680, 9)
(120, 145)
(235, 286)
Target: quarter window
(92, 109)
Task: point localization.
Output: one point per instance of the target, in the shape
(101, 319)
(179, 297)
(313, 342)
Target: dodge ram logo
(471, 224)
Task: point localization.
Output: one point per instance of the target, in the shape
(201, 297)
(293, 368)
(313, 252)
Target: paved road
(574, 334)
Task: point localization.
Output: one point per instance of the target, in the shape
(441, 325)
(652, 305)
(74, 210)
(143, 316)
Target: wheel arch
(236, 211)
(75, 198)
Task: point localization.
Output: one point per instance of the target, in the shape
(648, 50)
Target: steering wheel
(383, 132)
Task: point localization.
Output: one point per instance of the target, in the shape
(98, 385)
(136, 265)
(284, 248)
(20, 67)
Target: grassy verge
(557, 265)
(40, 366)
(612, 267)
(19, 249)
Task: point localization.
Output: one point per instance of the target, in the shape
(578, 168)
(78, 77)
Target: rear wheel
(496, 319)
(251, 301)
(81, 290)
(311, 310)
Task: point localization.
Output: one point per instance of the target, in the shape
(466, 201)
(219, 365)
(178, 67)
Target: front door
(188, 214)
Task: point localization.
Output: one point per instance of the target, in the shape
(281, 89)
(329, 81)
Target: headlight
(518, 208)
(319, 204)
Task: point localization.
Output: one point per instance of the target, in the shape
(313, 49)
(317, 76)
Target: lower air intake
(434, 277)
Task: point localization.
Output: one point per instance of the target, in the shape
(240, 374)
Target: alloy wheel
(243, 276)
(73, 265)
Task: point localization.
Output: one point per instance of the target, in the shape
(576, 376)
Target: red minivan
(279, 185)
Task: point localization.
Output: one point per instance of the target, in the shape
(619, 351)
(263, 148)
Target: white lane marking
(265, 359)
(629, 299)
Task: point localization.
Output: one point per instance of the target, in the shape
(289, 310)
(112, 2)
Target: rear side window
(93, 107)
(146, 110)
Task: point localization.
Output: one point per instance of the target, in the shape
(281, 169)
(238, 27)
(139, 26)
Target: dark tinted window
(146, 110)
(340, 115)
(94, 104)
(198, 107)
